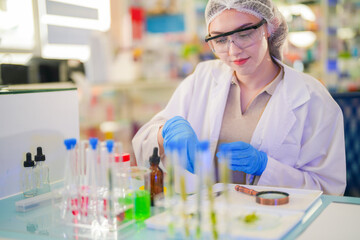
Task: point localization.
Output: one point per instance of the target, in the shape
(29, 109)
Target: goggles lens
(242, 38)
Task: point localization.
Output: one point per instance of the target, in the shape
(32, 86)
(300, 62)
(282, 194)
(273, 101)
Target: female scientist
(281, 126)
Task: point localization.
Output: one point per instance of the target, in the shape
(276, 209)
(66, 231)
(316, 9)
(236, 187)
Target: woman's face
(244, 61)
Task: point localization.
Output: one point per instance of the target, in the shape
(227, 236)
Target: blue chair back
(350, 105)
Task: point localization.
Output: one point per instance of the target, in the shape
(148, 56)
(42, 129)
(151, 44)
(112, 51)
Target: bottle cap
(28, 162)
(110, 145)
(126, 157)
(39, 155)
(70, 143)
(155, 158)
(93, 143)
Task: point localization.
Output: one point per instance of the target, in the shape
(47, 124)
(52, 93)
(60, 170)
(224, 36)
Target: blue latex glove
(246, 158)
(177, 129)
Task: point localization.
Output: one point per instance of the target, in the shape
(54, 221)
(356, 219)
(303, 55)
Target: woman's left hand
(245, 157)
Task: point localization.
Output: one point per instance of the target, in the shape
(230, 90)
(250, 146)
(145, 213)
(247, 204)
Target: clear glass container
(42, 177)
(29, 178)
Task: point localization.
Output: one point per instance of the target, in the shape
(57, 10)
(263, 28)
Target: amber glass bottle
(156, 177)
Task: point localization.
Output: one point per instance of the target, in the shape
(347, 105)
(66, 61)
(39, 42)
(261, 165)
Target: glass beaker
(140, 178)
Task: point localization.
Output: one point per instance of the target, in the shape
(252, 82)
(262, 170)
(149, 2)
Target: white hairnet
(262, 9)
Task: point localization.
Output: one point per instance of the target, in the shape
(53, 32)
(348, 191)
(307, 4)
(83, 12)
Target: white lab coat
(301, 128)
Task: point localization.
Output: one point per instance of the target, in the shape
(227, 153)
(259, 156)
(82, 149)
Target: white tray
(272, 224)
(275, 223)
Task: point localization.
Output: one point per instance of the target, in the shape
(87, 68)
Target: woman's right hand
(177, 129)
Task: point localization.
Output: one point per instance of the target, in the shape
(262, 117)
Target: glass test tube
(180, 163)
(209, 181)
(170, 184)
(69, 201)
(225, 178)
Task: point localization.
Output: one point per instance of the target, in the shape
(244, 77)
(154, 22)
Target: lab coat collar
(296, 92)
(222, 73)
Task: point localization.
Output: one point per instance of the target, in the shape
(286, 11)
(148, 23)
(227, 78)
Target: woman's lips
(241, 61)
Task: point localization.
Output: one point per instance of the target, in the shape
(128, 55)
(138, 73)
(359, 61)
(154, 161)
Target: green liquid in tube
(142, 205)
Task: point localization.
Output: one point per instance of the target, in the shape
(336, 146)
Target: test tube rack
(97, 196)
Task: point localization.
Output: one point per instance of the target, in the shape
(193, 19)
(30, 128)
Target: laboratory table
(39, 223)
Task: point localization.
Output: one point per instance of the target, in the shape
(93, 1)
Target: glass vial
(156, 177)
(29, 179)
(42, 172)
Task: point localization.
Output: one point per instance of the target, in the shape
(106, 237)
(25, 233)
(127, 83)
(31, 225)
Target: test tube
(170, 183)
(102, 190)
(225, 178)
(83, 198)
(69, 202)
(180, 163)
(110, 213)
(89, 197)
(208, 173)
(201, 152)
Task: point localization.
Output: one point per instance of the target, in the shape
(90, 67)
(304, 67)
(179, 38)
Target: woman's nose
(233, 48)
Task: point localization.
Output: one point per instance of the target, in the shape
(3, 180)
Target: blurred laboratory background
(126, 57)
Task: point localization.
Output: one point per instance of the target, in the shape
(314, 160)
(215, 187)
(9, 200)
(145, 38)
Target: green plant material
(251, 218)
(212, 209)
(170, 181)
(183, 197)
(170, 195)
(225, 177)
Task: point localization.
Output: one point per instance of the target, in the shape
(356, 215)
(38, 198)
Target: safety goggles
(242, 38)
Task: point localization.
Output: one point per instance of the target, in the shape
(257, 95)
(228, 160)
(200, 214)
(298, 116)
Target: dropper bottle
(156, 176)
(42, 172)
(29, 179)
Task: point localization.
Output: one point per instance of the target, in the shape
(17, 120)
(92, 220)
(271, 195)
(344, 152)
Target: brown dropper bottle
(156, 176)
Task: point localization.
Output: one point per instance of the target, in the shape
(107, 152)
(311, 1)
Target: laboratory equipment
(266, 197)
(170, 183)
(126, 161)
(29, 179)
(140, 180)
(199, 170)
(69, 203)
(35, 202)
(181, 161)
(156, 177)
(97, 197)
(41, 172)
(225, 178)
(209, 181)
(88, 191)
